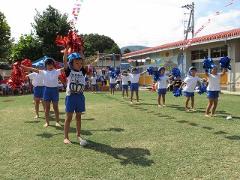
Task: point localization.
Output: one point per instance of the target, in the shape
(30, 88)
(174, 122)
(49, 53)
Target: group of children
(45, 83)
(188, 87)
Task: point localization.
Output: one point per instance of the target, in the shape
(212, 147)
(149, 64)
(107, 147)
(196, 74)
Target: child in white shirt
(112, 84)
(51, 91)
(189, 84)
(38, 89)
(94, 83)
(134, 86)
(125, 79)
(213, 90)
(162, 85)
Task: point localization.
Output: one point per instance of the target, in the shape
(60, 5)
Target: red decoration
(18, 75)
(72, 40)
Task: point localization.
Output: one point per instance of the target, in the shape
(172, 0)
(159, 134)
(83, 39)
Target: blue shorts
(213, 94)
(112, 85)
(162, 91)
(75, 103)
(124, 87)
(38, 92)
(188, 94)
(134, 86)
(51, 94)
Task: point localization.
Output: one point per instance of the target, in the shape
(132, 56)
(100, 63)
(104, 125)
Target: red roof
(184, 43)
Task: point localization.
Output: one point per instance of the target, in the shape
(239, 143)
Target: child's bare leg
(47, 109)
(159, 100)
(209, 107)
(56, 111)
(37, 102)
(127, 92)
(66, 127)
(192, 102)
(215, 103)
(131, 96)
(123, 93)
(43, 104)
(78, 124)
(137, 96)
(163, 99)
(186, 104)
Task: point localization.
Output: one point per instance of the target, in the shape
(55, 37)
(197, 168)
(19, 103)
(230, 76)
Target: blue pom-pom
(176, 72)
(177, 92)
(150, 70)
(225, 62)
(208, 64)
(202, 89)
(156, 76)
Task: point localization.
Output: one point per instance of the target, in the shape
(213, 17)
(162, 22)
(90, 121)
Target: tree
(100, 43)
(47, 25)
(28, 46)
(126, 51)
(5, 41)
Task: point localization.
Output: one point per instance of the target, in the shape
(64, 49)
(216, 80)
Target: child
(38, 87)
(125, 79)
(112, 84)
(134, 86)
(94, 82)
(190, 83)
(213, 90)
(162, 84)
(75, 100)
(51, 92)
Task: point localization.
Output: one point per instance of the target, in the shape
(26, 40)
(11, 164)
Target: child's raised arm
(30, 69)
(65, 63)
(223, 71)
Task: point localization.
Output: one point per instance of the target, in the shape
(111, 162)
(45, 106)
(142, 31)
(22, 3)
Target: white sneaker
(82, 141)
(58, 124)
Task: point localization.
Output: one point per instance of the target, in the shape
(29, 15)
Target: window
(199, 54)
(219, 52)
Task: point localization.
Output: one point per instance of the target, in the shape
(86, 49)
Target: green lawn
(139, 141)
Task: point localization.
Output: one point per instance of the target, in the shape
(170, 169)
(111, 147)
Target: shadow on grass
(182, 121)
(208, 128)
(32, 122)
(220, 132)
(88, 119)
(47, 135)
(135, 156)
(234, 137)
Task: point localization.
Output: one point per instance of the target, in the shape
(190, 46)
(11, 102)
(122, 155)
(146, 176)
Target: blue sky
(128, 22)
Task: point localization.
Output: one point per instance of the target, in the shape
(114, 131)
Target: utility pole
(189, 23)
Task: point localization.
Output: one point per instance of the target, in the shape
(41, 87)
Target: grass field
(139, 141)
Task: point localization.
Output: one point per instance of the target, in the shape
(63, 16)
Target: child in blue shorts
(51, 92)
(75, 100)
(134, 86)
(112, 82)
(162, 84)
(189, 84)
(213, 90)
(125, 79)
(38, 87)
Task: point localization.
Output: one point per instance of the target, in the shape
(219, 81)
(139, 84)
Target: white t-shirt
(134, 78)
(50, 78)
(162, 82)
(191, 83)
(37, 79)
(112, 80)
(93, 80)
(214, 82)
(125, 80)
(75, 81)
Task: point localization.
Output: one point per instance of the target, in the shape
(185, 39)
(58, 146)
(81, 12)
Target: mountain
(133, 48)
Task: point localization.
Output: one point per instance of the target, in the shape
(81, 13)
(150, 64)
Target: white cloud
(128, 22)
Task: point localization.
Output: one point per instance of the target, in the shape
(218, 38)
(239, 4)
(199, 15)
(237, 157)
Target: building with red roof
(191, 52)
